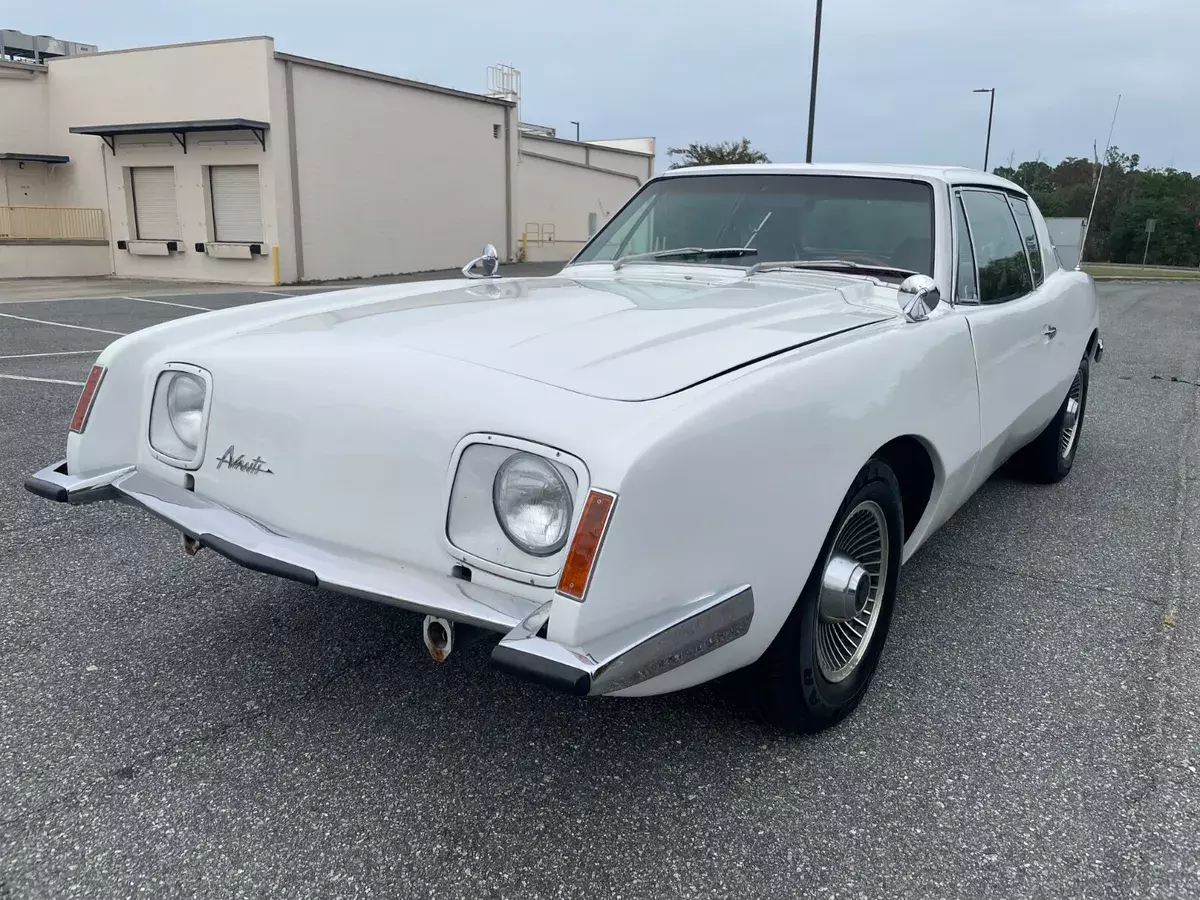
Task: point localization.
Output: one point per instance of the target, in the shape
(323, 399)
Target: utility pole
(812, 97)
(987, 148)
(576, 124)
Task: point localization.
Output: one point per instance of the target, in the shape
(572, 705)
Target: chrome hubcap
(852, 586)
(1070, 426)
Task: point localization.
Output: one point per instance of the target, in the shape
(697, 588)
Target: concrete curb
(1138, 279)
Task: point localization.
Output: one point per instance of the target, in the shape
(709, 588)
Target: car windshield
(782, 218)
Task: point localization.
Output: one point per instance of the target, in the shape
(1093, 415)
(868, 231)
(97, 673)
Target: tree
(723, 153)
(1129, 195)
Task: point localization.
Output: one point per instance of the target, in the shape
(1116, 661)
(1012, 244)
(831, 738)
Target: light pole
(576, 124)
(991, 109)
(812, 97)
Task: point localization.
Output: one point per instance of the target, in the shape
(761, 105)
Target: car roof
(946, 174)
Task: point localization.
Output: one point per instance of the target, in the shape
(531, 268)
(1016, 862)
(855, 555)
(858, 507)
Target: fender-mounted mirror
(489, 264)
(917, 296)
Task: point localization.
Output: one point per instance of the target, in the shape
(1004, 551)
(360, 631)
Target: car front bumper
(609, 663)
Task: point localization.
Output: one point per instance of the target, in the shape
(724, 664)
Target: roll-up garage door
(155, 213)
(236, 204)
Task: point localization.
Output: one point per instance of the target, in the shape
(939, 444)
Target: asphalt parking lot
(175, 727)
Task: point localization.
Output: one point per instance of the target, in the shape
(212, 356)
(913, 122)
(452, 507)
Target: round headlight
(533, 504)
(185, 408)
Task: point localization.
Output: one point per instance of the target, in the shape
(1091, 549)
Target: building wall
(22, 185)
(645, 145)
(362, 174)
(282, 192)
(562, 194)
(394, 178)
(217, 80)
(30, 260)
(24, 128)
(23, 95)
(639, 165)
(1066, 233)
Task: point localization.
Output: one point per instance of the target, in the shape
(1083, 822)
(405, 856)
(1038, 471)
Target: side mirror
(489, 264)
(917, 296)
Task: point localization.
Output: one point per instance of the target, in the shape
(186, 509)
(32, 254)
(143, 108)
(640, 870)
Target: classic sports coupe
(709, 444)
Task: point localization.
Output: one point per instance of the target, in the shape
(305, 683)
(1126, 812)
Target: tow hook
(439, 637)
(191, 546)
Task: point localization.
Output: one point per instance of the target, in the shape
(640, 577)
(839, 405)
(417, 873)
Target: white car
(708, 444)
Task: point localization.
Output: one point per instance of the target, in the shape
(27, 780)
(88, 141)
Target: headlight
(185, 407)
(177, 415)
(532, 503)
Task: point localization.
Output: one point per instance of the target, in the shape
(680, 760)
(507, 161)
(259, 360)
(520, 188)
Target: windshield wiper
(706, 252)
(834, 265)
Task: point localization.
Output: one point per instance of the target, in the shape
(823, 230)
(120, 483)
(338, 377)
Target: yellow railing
(51, 223)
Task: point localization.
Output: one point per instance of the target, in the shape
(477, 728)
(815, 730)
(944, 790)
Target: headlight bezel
(502, 557)
(170, 447)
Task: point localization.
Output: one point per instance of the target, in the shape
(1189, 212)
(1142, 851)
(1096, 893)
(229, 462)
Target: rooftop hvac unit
(39, 47)
(49, 46)
(15, 43)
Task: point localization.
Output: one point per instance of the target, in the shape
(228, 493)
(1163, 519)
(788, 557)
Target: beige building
(567, 189)
(229, 161)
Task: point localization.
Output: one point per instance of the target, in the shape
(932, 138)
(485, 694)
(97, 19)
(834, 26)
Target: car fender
(742, 485)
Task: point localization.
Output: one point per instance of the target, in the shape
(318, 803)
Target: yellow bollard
(275, 262)
(524, 245)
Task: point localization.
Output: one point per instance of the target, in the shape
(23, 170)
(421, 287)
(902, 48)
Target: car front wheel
(816, 671)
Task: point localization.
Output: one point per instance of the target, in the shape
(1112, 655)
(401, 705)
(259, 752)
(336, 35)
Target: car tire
(1049, 457)
(796, 680)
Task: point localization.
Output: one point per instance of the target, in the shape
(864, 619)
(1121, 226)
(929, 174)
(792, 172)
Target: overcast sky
(895, 83)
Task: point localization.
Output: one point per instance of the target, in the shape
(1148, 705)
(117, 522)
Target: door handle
(1050, 331)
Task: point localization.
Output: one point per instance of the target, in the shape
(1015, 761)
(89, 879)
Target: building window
(496, 131)
(155, 214)
(236, 204)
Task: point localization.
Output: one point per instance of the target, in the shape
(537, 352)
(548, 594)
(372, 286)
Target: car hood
(622, 338)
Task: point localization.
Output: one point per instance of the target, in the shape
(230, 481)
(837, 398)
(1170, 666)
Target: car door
(1008, 314)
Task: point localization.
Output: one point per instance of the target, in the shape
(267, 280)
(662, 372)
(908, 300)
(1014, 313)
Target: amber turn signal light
(585, 546)
(83, 408)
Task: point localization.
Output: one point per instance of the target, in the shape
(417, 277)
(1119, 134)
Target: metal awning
(37, 157)
(180, 130)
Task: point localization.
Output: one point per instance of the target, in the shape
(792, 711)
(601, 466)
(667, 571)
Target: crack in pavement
(1154, 697)
(1173, 379)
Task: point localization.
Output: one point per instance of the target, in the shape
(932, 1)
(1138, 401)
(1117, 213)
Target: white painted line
(24, 300)
(61, 324)
(54, 353)
(276, 293)
(43, 380)
(168, 303)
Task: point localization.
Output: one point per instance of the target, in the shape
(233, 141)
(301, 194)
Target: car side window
(965, 286)
(1029, 234)
(999, 251)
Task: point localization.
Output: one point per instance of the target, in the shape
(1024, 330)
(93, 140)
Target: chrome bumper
(610, 663)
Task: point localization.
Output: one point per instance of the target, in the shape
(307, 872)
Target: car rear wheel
(816, 671)
(1048, 457)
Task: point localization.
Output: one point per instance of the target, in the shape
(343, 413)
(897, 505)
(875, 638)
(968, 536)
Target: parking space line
(61, 324)
(277, 293)
(43, 380)
(52, 353)
(169, 303)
